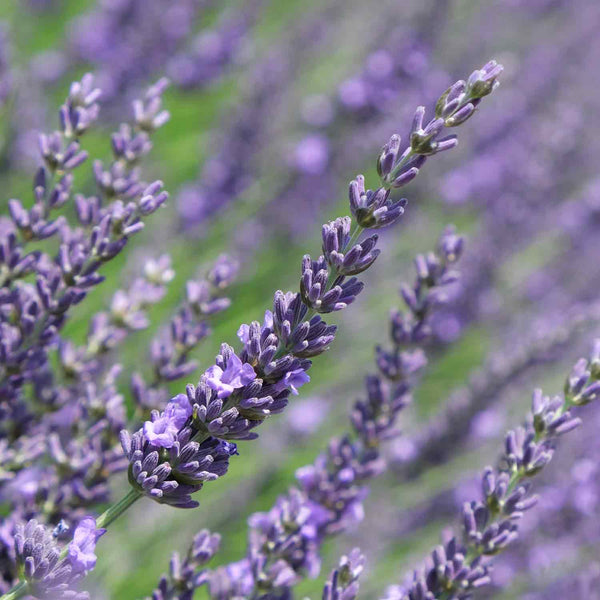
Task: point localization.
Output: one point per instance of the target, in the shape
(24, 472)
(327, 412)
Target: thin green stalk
(18, 591)
(113, 512)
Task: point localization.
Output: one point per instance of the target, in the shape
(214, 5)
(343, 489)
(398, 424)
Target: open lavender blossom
(81, 549)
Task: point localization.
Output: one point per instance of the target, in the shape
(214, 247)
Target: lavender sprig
(189, 443)
(285, 543)
(454, 107)
(50, 571)
(456, 569)
(33, 315)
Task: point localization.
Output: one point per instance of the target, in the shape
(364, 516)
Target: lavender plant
(284, 544)
(462, 564)
(190, 441)
(236, 394)
(61, 416)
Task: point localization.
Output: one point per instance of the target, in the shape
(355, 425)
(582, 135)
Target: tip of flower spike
(483, 81)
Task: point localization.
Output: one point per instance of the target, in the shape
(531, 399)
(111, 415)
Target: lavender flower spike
(49, 571)
(237, 393)
(398, 167)
(460, 566)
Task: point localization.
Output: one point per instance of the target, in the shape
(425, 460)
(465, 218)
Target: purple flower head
(162, 430)
(293, 380)
(235, 375)
(81, 549)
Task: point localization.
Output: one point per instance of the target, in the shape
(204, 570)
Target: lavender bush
(111, 297)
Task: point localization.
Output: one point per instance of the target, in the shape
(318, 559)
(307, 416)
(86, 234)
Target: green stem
(18, 591)
(113, 512)
(354, 236)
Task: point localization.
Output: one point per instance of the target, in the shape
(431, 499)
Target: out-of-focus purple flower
(304, 417)
(317, 110)
(311, 154)
(343, 581)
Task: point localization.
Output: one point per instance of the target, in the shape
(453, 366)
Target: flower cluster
(33, 314)
(50, 571)
(490, 525)
(285, 543)
(453, 108)
(185, 575)
(275, 357)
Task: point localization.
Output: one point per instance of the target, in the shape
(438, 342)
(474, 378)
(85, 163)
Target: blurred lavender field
(274, 107)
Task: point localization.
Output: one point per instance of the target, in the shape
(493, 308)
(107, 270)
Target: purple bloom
(293, 380)
(343, 581)
(235, 375)
(81, 549)
(162, 431)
